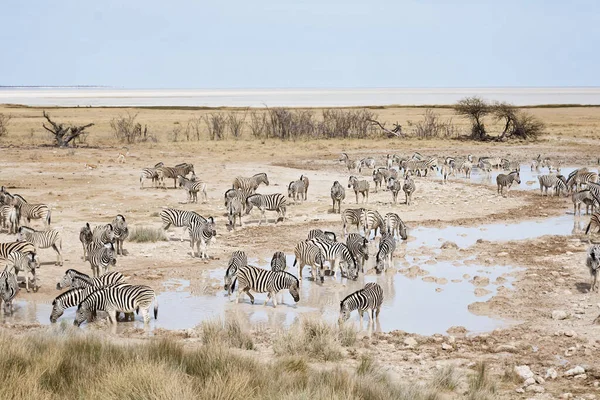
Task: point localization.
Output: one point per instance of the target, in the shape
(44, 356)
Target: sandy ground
(552, 274)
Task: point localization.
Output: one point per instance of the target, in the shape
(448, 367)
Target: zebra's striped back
(249, 185)
(101, 256)
(368, 298)
(359, 186)
(319, 234)
(278, 262)
(103, 234)
(40, 239)
(72, 298)
(395, 226)
(506, 181)
(271, 202)
(237, 260)
(9, 247)
(387, 246)
(178, 218)
(172, 172)
(372, 221)
(32, 211)
(359, 248)
(102, 280)
(352, 216)
(263, 281)
(307, 253)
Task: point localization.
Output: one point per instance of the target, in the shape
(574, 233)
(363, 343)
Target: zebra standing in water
(237, 260)
(103, 280)
(395, 226)
(319, 234)
(304, 179)
(445, 171)
(352, 216)
(372, 221)
(593, 264)
(385, 254)
(585, 197)
(466, 167)
(192, 188)
(271, 202)
(234, 210)
(248, 186)
(394, 187)
(121, 232)
(43, 240)
(408, 188)
(26, 263)
(85, 237)
(506, 181)
(297, 189)
(112, 299)
(150, 173)
(336, 252)
(359, 248)
(308, 253)
(369, 298)
(72, 298)
(338, 194)
(182, 169)
(581, 177)
(262, 281)
(201, 233)
(553, 182)
(9, 287)
(361, 187)
(179, 218)
(278, 262)
(32, 211)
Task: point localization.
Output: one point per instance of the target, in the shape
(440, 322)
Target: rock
(570, 351)
(524, 372)
(535, 389)
(578, 370)
(539, 380)
(506, 348)
(480, 280)
(446, 346)
(566, 396)
(570, 333)
(580, 376)
(551, 373)
(411, 342)
(520, 390)
(559, 315)
(449, 245)
(529, 382)
(480, 292)
(502, 254)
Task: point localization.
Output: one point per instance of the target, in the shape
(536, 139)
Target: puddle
(529, 178)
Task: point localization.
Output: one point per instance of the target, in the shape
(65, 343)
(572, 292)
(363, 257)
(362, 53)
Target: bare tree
(193, 127)
(4, 121)
(126, 129)
(517, 123)
(235, 122)
(474, 108)
(216, 124)
(258, 122)
(63, 135)
(432, 126)
(396, 131)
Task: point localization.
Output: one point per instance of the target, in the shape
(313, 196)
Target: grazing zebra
(26, 263)
(408, 188)
(385, 254)
(445, 171)
(234, 210)
(32, 211)
(506, 181)
(335, 252)
(297, 189)
(368, 298)
(594, 222)
(192, 188)
(308, 253)
(394, 187)
(553, 182)
(179, 218)
(101, 255)
(121, 232)
(278, 262)
(85, 237)
(359, 248)
(304, 179)
(352, 165)
(352, 216)
(72, 298)
(338, 194)
(115, 298)
(103, 280)
(585, 197)
(182, 169)
(9, 287)
(361, 187)
(395, 226)
(368, 162)
(263, 281)
(150, 173)
(581, 177)
(201, 233)
(271, 202)
(372, 221)
(9, 247)
(319, 234)
(238, 259)
(248, 186)
(593, 264)
(231, 194)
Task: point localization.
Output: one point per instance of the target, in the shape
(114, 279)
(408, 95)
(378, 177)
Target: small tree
(63, 135)
(517, 123)
(258, 123)
(4, 121)
(216, 124)
(193, 128)
(235, 122)
(126, 129)
(474, 108)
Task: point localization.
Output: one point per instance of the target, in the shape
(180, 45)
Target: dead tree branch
(63, 135)
(397, 131)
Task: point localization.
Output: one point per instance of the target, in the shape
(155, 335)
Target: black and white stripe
(271, 202)
(192, 187)
(372, 221)
(32, 211)
(9, 247)
(586, 197)
(395, 226)
(352, 165)
(237, 260)
(367, 162)
(352, 216)
(120, 231)
(308, 253)
(304, 179)
(278, 262)
(359, 248)
(26, 263)
(359, 186)
(368, 298)
(102, 280)
(338, 253)
(182, 169)
(297, 190)
(409, 188)
(260, 280)
(593, 264)
(248, 186)
(179, 218)
(385, 254)
(551, 181)
(338, 194)
(101, 256)
(319, 234)
(234, 211)
(9, 287)
(201, 233)
(85, 237)
(506, 181)
(150, 173)
(43, 240)
(395, 186)
(594, 223)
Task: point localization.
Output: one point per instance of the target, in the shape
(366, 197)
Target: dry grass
(481, 384)
(229, 333)
(144, 234)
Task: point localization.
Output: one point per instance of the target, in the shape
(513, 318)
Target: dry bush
(286, 124)
(258, 124)
(126, 129)
(235, 123)
(193, 128)
(432, 126)
(177, 133)
(229, 333)
(144, 234)
(4, 121)
(517, 123)
(215, 124)
(338, 123)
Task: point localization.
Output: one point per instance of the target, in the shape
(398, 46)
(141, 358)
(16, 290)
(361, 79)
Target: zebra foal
(369, 298)
(150, 173)
(201, 233)
(297, 190)
(192, 188)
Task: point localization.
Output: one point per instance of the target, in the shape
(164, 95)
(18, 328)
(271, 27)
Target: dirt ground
(552, 274)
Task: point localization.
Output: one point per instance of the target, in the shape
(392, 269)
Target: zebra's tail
(588, 228)
(155, 307)
(49, 217)
(295, 262)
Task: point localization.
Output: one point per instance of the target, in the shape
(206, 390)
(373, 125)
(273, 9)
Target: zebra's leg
(250, 295)
(356, 193)
(185, 228)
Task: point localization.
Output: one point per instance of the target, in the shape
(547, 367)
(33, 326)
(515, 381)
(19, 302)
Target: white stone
(551, 373)
(529, 382)
(539, 380)
(446, 346)
(535, 389)
(524, 372)
(410, 342)
(559, 315)
(575, 371)
(570, 333)
(580, 376)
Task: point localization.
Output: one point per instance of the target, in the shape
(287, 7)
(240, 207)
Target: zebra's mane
(288, 276)
(18, 196)
(181, 165)
(348, 297)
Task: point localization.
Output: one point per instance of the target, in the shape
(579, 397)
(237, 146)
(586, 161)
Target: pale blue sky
(279, 43)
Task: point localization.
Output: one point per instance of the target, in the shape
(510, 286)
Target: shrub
(4, 121)
(144, 234)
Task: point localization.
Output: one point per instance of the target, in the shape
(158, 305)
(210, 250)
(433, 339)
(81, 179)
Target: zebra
(352, 216)
(271, 202)
(408, 188)
(581, 177)
(101, 255)
(335, 252)
(361, 187)
(192, 187)
(308, 253)
(467, 167)
(385, 254)
(368, 298)
(32, 211)
(26, 263)
(85, 237)
(352, 165)
(248, 186)
(278, 262)
(182, 169)
(263, 281)
(551, 182)
(368, 162)
(594, 222)
(495, 162)
(372, 221)
(593, 264)
(389, 161)
(103, 234)
(485, 166)
(506, 181)
(179, 218)
(234, 210)
(395, 226)
(304, 179)
(10, 217)
(445, 171)
(121, 232)
(394, 187)
(150, 173)
(338, 194)
(238, 259)
(594, 189)
(359, 248)
(297, 189)
(201, 233)
(5, 197)
(378, 178)
(231, 194)
(72, 298)
(9, 247)
(109, 278)
(585, 197)
(115, 298)
(9, 287)
(319, 234)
